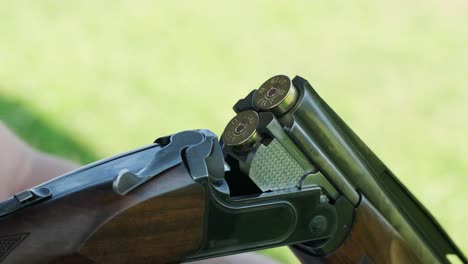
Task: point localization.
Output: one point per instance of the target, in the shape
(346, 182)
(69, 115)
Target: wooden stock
(371, 240)
(159, 222)
(160, 230)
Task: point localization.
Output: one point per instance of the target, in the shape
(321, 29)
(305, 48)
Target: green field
(89, 79)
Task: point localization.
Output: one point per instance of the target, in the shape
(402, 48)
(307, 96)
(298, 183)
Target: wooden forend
(371, 240)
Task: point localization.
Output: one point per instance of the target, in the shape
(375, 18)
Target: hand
(22, 167)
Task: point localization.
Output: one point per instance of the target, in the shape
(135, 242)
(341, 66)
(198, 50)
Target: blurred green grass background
(89, 79)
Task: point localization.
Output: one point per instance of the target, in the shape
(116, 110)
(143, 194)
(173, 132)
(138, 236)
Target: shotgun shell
(277, 95)
(241, 131)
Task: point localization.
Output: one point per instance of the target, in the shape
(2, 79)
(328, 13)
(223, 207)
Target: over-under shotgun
(286, 171)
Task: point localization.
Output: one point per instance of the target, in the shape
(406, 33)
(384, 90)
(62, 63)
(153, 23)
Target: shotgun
(286, 171)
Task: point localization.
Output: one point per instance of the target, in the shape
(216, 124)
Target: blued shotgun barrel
(390, 223)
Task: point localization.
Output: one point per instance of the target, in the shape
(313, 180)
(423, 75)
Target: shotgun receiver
(286, 171)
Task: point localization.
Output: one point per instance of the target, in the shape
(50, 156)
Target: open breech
(286, 171)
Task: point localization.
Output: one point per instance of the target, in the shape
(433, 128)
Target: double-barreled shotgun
(286, 171)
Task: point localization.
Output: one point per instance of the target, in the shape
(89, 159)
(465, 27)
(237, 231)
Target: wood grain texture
(371, 240)
(159, 230)
(157, 222)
